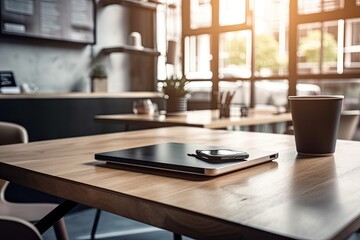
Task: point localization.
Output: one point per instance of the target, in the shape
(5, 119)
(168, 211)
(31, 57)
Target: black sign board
(7, 79)
(63, 20)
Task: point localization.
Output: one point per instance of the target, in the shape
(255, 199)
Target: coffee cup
(316, 122)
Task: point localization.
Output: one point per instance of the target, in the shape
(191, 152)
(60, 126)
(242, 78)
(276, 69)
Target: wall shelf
(129, 49)
(139, 10)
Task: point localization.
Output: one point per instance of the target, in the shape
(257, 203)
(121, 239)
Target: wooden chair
(11, 133)
(12, 228)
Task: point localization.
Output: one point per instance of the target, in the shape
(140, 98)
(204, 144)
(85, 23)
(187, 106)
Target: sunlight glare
(232, 12)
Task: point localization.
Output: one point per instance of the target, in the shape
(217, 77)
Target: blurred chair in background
(349, 121)
(11, 133)
(12, 228)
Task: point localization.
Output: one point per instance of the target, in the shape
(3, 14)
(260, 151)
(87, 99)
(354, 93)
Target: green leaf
(174, 87)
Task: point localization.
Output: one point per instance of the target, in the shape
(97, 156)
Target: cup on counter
(143, 106)
(244, 111)
(316, 122)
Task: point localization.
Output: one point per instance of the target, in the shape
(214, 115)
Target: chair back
(16, 228)
(11, 133)
(12, 228)
(349, 121)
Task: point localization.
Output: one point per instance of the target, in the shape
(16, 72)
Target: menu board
(65, 20)
(7, 79)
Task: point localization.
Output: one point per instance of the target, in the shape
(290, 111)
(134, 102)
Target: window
(328, 51)
(232, 12)
(271, 37)
(235, 54)
(168, 19)
(245, 44)
(200, 15)
(197, 56)
(318, 6)
(347, 87)
(352, 45)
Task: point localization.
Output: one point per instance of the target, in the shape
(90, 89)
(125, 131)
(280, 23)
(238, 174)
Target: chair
(12, 228)
(11, 133)
(349, 120)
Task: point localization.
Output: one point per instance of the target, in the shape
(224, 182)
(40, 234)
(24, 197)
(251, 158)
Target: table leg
(55, 215)
(177, 236)
(95, 224)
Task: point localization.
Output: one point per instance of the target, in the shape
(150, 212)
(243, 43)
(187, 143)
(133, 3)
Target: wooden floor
(110, 227)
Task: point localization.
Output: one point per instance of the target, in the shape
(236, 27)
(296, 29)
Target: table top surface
(199, 118)
(296, 197)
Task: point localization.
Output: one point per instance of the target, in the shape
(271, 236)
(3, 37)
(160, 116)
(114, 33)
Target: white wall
(54, 67)
(62, 67)
(112, 29)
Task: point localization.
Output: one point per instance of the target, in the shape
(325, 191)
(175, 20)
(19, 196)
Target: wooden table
(292, 197)
(198, 118)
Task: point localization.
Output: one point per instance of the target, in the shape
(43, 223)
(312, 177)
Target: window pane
(318, 47)
(200, 95)
(307, 88)
(309, 46)
(271, 37)
(242, 91)
(331, 5)
(200, 13)
(352, 45)
(350, 88)
(235, 54)
(317, 6)
(309, 6)
(330, 48)
(232, 12)
(272, 92)
(197, 57)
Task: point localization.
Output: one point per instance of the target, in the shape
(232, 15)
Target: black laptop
(174, 157)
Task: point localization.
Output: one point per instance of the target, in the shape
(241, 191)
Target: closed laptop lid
(174, 157)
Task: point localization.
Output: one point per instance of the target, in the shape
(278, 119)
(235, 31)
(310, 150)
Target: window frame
(349, 11)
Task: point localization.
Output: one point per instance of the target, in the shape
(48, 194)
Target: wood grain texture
(199, 118)
(292, 197)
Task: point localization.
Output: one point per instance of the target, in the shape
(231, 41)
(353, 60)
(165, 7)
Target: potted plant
(98, 77)
(176, 91)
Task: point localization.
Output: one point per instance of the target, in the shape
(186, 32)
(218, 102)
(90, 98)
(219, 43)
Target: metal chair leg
(95, 224)
(177, 236)
(56, 217)
(60, 230)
